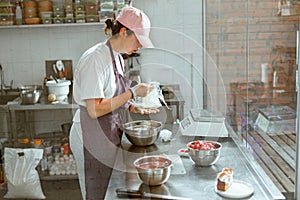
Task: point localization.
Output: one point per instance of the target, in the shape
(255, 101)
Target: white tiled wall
(176, 35)
(23, 51)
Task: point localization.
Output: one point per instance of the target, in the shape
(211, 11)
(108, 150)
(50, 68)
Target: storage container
(107, 5)
(91, 8)
(58, 20)
(45, 3)
(69, 20)
(30, 3)
(79, 13)
(33, 20)
(92, 18)
(58, 7)
(46, 14)
(58, 14)
(68, 6)
(79, 7)
(7, 19)
(7, 8)
(47, 20)
(69, 13)
(80, 19)
(103, 15)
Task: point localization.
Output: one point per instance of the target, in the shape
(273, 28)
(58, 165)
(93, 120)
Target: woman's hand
(142, 111)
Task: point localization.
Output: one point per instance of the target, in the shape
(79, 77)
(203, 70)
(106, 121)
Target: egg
(51, 97)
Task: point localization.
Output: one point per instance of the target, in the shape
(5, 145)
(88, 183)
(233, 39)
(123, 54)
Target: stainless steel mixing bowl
(153, 170)
(142, 132)
(30, 94)
(205, 157)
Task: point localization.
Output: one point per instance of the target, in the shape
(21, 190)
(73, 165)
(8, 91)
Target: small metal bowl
(30, 94)
(204, 157)
(153, 170)
(142, 132)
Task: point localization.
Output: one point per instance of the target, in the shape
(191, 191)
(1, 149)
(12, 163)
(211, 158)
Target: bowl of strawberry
(204, 153)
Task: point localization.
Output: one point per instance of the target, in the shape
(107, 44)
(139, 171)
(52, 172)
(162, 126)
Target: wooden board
(277, 156)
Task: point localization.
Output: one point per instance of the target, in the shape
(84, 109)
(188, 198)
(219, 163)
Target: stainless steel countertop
(197, 182)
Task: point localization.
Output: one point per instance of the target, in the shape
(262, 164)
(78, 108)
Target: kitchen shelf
(52, 25)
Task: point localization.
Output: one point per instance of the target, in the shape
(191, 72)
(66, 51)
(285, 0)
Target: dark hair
(114, 26)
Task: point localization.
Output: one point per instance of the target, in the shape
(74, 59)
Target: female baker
(102, 91)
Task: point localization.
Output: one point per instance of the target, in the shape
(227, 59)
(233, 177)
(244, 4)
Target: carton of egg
(63, 165)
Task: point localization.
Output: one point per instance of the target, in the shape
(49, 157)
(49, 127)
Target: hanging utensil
(60, 65)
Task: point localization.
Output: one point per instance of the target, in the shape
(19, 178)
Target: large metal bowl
(204, 157)
(153, 170)
(30, 94)
(142, 132)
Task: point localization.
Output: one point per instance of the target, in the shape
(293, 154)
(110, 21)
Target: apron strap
(114, 61)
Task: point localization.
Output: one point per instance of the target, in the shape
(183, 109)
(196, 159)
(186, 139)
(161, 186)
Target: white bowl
(59, 88)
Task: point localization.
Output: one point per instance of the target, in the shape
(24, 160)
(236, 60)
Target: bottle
(18, 14)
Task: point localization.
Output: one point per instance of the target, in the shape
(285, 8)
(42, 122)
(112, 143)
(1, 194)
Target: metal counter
(187, 180)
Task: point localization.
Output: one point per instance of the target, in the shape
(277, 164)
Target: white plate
(238, 189)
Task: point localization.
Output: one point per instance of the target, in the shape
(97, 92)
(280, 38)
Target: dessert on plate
(224, 179)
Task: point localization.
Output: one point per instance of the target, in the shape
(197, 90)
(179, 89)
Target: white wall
(23, 51)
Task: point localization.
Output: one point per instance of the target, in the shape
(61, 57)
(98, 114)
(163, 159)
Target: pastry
(224, 179)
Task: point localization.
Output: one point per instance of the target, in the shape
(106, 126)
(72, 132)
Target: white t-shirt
(94, 75)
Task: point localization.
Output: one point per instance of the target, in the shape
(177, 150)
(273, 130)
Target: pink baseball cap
(137, 21)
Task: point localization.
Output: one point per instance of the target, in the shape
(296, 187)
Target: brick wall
(241, 35)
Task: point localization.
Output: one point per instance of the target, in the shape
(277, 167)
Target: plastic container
(69, 6)
(7, 19)
(58, 20)
(58, 14)
(92, 18)
(79, 13)
(47, 20)
(80, 19)
(103, 15)
(79, 7)
(69, 13)
(58, 8)
(107, 5)
(7, 8)
(69, 20)
(91, 8)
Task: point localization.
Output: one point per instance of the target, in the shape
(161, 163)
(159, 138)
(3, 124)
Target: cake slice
(224, 179)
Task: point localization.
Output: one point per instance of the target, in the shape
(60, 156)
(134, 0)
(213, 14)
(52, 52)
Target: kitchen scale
(276, 119)
(200, 122)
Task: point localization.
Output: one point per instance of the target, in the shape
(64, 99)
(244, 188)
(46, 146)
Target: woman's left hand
(143, 111)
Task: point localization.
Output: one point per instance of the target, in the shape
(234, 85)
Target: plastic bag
(22, 178)
(152, 100)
